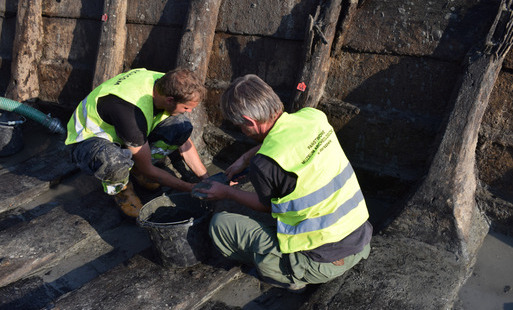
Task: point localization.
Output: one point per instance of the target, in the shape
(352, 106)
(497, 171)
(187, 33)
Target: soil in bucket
(173, 215)
(177, 225)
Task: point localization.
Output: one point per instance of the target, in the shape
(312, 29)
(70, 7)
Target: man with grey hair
(303, 179)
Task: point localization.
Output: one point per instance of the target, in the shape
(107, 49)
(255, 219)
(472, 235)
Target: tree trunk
(27, 50)
(194, 54)
(111, 49)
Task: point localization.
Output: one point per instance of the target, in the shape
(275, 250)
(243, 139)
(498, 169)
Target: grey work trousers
(109, 161)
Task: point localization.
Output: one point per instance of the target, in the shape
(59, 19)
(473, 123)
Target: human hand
(189, 187)
(210, 190)
(235, 168)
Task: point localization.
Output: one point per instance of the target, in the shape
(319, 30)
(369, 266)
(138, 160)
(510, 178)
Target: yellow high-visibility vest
(134, 86)
(327, 203)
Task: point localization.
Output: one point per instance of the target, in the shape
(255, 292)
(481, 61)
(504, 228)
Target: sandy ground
(491, 285)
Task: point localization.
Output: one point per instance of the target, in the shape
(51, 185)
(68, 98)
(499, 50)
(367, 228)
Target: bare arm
(241, 163)
(192, 159)
(142, 159)
(249, 199)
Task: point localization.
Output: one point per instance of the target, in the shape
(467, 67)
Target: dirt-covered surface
(68, 247)
(491, 284)
(64, 245)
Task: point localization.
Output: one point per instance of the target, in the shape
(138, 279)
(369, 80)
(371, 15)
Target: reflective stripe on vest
(317, 196)
(80, 130)
(134, 86)
(327, 203)
(325, 221)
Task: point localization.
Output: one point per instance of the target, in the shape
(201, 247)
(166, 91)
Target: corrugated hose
(46, 120)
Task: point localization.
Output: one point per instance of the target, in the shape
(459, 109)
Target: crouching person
(128, 122)
(303, 178)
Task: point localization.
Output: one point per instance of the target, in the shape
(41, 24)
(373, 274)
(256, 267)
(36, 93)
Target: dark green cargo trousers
(250, 242)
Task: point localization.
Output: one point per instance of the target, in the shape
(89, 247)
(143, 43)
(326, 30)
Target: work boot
(128, 201)
(144, 181)
(291, 287)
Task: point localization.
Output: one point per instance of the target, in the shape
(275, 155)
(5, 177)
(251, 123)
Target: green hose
(46, 120)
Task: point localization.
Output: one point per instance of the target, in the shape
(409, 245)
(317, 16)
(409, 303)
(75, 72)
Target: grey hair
(249, 95)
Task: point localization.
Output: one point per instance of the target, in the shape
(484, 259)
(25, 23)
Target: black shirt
(127, 119)
(270, 180)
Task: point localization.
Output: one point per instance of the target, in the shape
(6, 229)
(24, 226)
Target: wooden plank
(29, 294)
(400, 273)
(143, 284)
(317, 49)
(194, 53)
(39, 244)
(32, 177)
(27, 51)
(111, 49)
(85, 260)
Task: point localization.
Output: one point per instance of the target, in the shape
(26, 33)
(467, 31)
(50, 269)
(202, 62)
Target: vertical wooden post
(27, 50)
(346, 18)
(317, 49)
(198, 36)
(194, 53)
(111, 48)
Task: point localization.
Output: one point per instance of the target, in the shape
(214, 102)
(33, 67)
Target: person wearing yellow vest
(319, 226)
(129, 122)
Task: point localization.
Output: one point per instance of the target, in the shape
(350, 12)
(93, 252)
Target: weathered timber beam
(316, 58)
(499, 39)
(443, 211)
(349, 8)
(194, 53)
(198, 36)
(111, 48)
(27, 50)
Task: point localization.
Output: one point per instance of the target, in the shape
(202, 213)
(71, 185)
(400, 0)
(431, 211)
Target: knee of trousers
(105, 160)
(220, 233)
(218, 226)
(173, 131)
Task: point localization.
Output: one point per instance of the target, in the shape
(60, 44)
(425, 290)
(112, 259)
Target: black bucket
(11, 137)
(178, 227)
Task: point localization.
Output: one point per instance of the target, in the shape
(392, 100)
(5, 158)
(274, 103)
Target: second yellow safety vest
(327, 203)
(134, 86)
